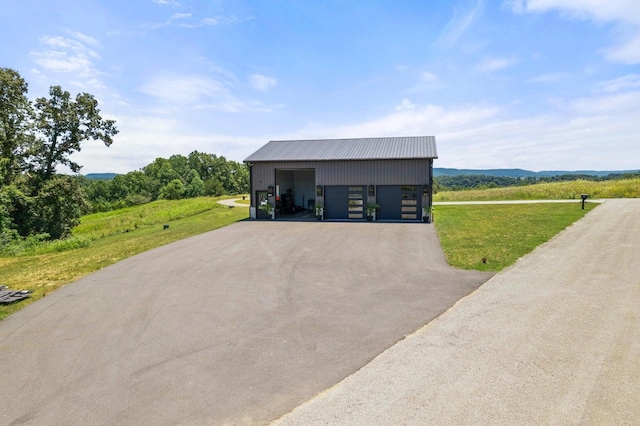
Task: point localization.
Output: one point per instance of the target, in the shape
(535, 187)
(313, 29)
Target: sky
(531, 84)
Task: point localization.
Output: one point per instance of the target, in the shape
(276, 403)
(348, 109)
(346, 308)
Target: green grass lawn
(500, 233)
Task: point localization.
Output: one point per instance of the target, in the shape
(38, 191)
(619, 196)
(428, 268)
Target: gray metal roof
(347, 149)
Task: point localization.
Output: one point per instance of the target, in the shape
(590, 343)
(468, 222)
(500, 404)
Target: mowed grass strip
(114, 237)
(500, 233)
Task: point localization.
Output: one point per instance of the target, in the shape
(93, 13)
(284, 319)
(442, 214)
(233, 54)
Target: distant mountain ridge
(443, 171)
(101, 176)
(440, 171)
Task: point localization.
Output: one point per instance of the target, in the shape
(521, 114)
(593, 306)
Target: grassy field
(500, 233)
(108, 238)
(627, 188)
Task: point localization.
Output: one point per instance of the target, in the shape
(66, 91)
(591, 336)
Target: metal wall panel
(367, 172)
(375, 172)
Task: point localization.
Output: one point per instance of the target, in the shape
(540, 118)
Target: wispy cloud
(206, 22)
(177, 16)
(184, 89)
(489, 136)
(143, 138)
(167, 2)
(624, 14)
(630, 81)
(179, 92)
(427, 81)
(72, 53)
(261, 82)
(495, 64)
(405, 105)
(464, 14)
(187, 20)
(549, 77)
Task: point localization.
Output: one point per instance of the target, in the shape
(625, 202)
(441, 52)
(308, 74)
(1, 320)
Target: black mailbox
(584, 197)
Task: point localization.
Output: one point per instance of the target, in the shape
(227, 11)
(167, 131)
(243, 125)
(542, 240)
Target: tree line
(36, 138)
(174, 178)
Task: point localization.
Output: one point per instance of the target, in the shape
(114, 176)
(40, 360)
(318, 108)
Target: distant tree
(213, 187)
(174, 190)
(204, 164)
(195, 185)
(58, 207)
(180, 165)
(162, 171)
(19, 207)
(61, 125)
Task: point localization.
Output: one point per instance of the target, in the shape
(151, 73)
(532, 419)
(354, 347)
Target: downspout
(429, 212)
(251, 194)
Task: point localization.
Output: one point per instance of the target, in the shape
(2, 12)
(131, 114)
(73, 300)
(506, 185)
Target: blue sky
(534, 84)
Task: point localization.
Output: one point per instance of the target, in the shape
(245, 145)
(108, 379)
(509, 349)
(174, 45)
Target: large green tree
(34, 141)
(15, 124)
(61, 125)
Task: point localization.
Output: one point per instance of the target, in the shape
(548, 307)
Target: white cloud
(185, 20)
(428, 76)
(74, 54)
(405, 105)
(184, 89)
(630, 81)
(261, 82)
(176, 16)
(410, 119)
(627, 52)
(463, 16)
(180, 92)
(495, 64)
(572, 137)
(145, 138)
(624, 14)
(549, 78)
(427, 81)
(166, 2)
(619, 10)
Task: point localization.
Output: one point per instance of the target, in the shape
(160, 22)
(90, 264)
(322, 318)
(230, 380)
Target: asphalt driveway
(236, 326)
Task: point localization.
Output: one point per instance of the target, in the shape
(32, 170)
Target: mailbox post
(584, 197)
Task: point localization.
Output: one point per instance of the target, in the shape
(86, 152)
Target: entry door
(262, 198)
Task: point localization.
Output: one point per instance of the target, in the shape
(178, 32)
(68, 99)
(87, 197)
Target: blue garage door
(399, 202)
(344, 202)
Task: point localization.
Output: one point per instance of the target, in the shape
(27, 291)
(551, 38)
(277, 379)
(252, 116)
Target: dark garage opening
(295, 194)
